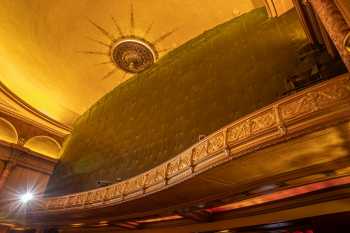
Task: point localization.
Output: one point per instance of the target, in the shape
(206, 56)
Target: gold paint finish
(8, 132)
(133, 55)
(347, 42)
(44, 145)
(40, 40)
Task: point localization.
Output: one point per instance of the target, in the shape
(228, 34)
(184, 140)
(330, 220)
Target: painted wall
(225, 73)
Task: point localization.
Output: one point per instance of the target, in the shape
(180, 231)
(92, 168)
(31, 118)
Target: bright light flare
(25, 198)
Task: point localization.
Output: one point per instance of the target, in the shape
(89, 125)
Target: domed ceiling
(61, 56)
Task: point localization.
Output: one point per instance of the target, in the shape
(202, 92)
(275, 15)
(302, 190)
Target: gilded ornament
(347, 42)
(262, 122)
(216, 142)
(133, 55)
(239, 131)
(200, 151)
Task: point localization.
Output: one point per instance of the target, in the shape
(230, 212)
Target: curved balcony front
(302, 135)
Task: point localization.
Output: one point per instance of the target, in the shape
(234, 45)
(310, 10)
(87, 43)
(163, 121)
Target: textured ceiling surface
(50, 51)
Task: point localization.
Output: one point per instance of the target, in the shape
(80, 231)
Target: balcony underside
(301, 139)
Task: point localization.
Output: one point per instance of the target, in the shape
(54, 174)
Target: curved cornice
(314, 108)
(20, 109)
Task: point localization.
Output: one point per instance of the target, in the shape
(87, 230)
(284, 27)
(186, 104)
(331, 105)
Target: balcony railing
(317, 107)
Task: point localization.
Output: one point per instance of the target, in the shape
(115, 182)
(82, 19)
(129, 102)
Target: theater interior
(174, 116)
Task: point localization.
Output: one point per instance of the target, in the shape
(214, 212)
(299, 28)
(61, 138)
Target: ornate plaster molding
(20, 156)
(314, 108)
(12, 105)
(335, 25)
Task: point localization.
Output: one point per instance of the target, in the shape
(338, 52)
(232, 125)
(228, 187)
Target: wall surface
(223, 74)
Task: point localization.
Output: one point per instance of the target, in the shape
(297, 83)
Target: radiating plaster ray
(104, 63)
(120, 32)
(110, 73)
(94, 52)
(132, 19)
(102, 30)
(164, 36)
(99, 42)
(148, 29)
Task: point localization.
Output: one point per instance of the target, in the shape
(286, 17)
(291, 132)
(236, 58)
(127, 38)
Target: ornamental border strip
(316, 107)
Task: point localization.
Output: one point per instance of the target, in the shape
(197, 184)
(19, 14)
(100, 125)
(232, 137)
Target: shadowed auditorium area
(135, 116)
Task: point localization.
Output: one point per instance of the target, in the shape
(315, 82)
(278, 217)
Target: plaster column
(6, 173)
(335, 25)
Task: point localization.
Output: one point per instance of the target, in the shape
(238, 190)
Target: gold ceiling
(48, 56)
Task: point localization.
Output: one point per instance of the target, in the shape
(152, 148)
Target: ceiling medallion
(128, 52)
(133, 55)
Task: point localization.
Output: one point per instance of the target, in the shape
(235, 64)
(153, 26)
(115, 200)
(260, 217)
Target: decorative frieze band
(283, 119)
